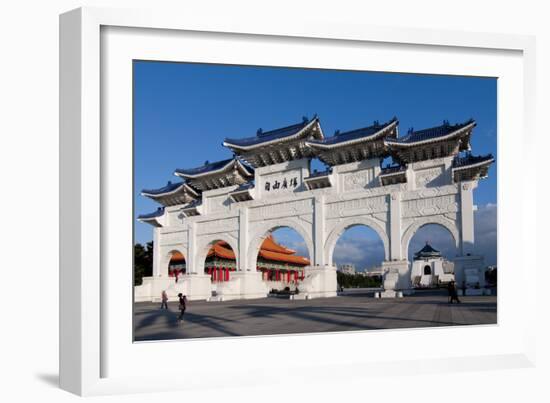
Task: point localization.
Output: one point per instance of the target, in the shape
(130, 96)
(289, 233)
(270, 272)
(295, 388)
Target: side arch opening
(177, 264)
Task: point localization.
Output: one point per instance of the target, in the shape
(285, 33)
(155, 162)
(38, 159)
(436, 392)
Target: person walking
(164, 300)
(183, 305)
(453, 295)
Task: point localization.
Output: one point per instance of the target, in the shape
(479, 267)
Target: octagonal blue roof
(427, 252)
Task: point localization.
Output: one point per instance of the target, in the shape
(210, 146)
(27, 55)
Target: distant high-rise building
(347, 268)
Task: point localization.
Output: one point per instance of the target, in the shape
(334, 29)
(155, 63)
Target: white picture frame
(97, 357)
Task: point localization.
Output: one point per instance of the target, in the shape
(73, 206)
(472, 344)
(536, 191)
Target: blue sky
(182, 113)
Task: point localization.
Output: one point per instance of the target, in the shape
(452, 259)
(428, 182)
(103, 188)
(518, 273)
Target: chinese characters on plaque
(285, 184)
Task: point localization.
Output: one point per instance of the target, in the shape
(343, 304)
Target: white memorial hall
(268, 184)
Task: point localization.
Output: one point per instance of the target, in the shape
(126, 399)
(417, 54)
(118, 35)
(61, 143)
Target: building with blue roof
(305, 140)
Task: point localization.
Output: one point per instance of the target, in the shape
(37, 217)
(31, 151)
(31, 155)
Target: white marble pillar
(319, 232)
(158, 270)
(467, 209)
(395, 227)
(191, 249)
(243, 241)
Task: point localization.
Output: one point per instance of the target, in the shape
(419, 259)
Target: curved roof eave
(474, 165)
(240, 165)
(149, 193)
(228, 144)
(397, 143)
(315, 144)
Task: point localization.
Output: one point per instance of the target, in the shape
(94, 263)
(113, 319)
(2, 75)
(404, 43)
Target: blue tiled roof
(212, 166)
(393, 169)
(427, 251)
(470, 160)
(262, 137)
(431, 133)
(165, 189)
(245, 186)
(193, 204)
(316, 173)
(158, 213)
(364, 132)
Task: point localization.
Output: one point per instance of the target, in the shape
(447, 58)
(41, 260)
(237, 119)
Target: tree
(491, 276)
(357, 280)
(143, 262)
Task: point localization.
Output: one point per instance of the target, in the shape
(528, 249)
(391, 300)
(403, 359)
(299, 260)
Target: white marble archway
(446, 223)
(265, 229)
(337, 231)
(205, 243)
(320, 209)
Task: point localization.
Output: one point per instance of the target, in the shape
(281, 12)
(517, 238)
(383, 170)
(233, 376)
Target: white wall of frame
(29, 130)
(122, 358)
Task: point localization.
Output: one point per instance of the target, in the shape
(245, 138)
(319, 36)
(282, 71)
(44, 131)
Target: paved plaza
(282, 316)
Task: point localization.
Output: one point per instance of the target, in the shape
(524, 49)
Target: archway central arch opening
(358, 254)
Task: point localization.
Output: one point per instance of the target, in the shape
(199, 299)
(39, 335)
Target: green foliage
(357, 280)
(143, 262)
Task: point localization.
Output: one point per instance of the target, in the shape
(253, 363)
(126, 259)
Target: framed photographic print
(259, 195)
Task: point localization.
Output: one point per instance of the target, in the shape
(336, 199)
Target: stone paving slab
(282, 316)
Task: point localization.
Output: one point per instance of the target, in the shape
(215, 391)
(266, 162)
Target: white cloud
(486, 232)
(358, 249)
(365, 249)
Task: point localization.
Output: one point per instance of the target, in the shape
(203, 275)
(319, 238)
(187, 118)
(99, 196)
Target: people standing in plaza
(463, 288)
(164, 300)
(183, 305)
(453, 295)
